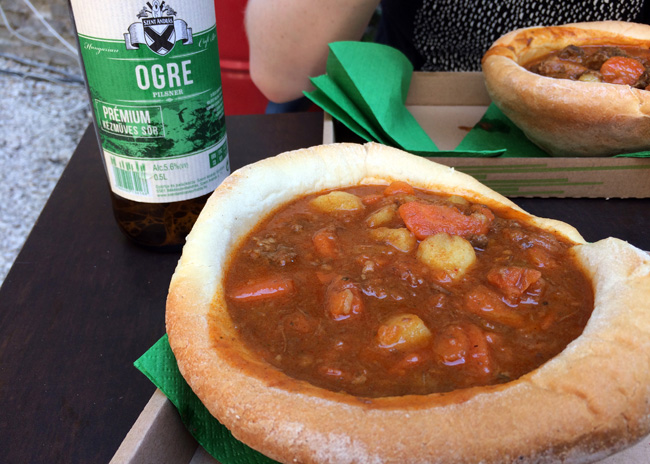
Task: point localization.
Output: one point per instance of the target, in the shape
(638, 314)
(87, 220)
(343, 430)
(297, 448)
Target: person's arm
(288, 40)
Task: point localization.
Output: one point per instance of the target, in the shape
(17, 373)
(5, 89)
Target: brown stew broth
(593, 63)
(327, 313)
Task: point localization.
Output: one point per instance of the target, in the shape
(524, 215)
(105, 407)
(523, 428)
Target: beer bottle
(153, 78)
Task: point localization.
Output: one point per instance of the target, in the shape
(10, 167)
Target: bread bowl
(564, 117)
(587, 402)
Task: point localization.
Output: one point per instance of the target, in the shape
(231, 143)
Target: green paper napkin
(638, 154)
(463, 153)
(377, 79)
(371, 107)
(495, 131)
(159, 365)
(365, 89)
(329, 95)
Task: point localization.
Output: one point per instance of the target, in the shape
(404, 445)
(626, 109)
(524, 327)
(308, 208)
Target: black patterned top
(453, 35)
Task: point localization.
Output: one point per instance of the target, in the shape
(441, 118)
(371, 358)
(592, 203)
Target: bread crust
(587, 402)
(564, 117)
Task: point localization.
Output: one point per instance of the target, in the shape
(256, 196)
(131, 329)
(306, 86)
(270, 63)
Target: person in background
(288, 38)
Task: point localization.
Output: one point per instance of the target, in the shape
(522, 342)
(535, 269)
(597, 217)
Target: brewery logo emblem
(159, 30)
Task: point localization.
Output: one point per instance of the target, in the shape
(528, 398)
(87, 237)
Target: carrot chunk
(541, 258)
(480, 364)
(407, 362)
(325, 243)
(399, 187)
(482, 210)
(325, 277)
(343, 299)
(513, 281)
(465, 345)
(372, 199)
(621, 70)
(263, 289)
(486, 303)
(428, 219)
(452, 345)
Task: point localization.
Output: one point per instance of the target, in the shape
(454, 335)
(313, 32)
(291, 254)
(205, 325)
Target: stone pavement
(41, 123)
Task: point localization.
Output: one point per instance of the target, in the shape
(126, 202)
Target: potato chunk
(337, 201)
(457, 200)
(401, 238)
(403, 332)
(450, 255)
(382, 216)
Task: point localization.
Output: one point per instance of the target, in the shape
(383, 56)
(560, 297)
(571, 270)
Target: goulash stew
(387, 290)
(610, 64)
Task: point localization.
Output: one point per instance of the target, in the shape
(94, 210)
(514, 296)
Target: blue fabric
(293, 106)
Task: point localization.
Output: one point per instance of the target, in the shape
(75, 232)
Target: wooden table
(81, 303)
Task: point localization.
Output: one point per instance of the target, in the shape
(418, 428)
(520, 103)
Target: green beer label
(154, 81)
